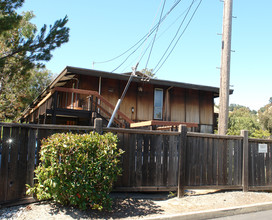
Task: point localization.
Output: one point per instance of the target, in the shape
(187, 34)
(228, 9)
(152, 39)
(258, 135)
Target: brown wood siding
(130, 100)
(206, 108)
(110, 91)
(87, 83)
(177, 102)
(192, 106)
(145, 102)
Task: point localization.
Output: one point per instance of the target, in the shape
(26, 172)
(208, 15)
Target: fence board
(139, 151)
(215, 162)
(31, 156)
(269, 165)
(230, 162)
(164, 160)
(132, 144)
(240, 161)
(236, 163)
(220, 161)
(225, 162)
(204, 162)
(42, 133)
(262, 169)
(266, 165)
(13, 165)
(125, 146)
(145, 160)
(22, 163)
(210, 160)
(4, 164)
(173, 162)
(187, 167)
(255, 165)
(152, 161)
(199, 152)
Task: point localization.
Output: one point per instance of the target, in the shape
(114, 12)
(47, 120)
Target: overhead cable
(142, 39)
(147, 35)
(178, 30)
(178, 38)
(154, 38)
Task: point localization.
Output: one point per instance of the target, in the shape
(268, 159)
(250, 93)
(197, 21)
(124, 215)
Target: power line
(157, 29)
(149, 34)
(134, 60)
(142, 39)
(182, 22)
(178, 38)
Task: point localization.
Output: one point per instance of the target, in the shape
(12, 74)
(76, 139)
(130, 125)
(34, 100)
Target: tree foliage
(265, 117)
(20, 41)
(148, 72)
(243, 119)
(20, 90)
(22, 49)
(78, 169)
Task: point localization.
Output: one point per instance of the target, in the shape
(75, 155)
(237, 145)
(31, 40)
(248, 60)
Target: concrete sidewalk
(216, 213)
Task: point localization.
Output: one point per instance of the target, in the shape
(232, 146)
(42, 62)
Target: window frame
(158, 110)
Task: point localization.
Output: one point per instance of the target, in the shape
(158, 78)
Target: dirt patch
(135, 207)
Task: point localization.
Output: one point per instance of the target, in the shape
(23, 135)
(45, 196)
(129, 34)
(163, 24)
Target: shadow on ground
(122, 208)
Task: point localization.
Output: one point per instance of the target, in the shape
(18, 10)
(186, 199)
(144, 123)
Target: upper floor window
(158, 103)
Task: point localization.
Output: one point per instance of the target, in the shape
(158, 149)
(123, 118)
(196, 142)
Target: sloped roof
(69, 72)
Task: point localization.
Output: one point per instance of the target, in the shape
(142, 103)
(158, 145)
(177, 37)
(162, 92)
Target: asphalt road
(263, 215)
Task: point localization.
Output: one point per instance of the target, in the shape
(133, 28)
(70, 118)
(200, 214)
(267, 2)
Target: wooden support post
(98, 126)
(54, 117)
(245, 160)
(182, 160)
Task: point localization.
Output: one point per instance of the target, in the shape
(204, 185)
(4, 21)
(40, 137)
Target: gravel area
(135, 207)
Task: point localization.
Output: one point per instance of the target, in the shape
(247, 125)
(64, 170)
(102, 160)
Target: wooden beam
(140, 124)
(161, 123)
(78, 91)
(41, 102)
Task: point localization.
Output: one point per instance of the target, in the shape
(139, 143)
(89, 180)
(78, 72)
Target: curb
(216, 213)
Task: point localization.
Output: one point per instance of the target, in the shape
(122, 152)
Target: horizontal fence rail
(153, 160)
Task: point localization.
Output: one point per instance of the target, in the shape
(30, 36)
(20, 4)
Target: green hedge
(78, 169)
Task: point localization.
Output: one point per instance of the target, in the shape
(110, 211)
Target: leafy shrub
(78, 169)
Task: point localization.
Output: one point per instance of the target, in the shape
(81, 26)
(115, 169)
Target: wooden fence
(153, 160)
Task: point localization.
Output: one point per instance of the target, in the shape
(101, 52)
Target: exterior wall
(129, 104)
(179, 104)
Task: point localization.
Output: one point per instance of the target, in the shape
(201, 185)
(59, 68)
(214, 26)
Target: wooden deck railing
(101, 98)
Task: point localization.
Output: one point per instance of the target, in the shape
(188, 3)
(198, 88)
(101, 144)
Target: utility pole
(225, 69)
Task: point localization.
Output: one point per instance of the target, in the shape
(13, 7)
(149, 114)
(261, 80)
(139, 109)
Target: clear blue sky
(101, 30)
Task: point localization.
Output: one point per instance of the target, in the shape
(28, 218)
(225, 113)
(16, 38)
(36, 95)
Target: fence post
(98, 126)
(182, 160)
(245, 160)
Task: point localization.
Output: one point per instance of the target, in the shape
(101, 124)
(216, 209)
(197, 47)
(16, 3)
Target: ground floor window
(158, 103)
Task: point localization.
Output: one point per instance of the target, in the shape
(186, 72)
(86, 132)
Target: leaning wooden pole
(225, 68)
